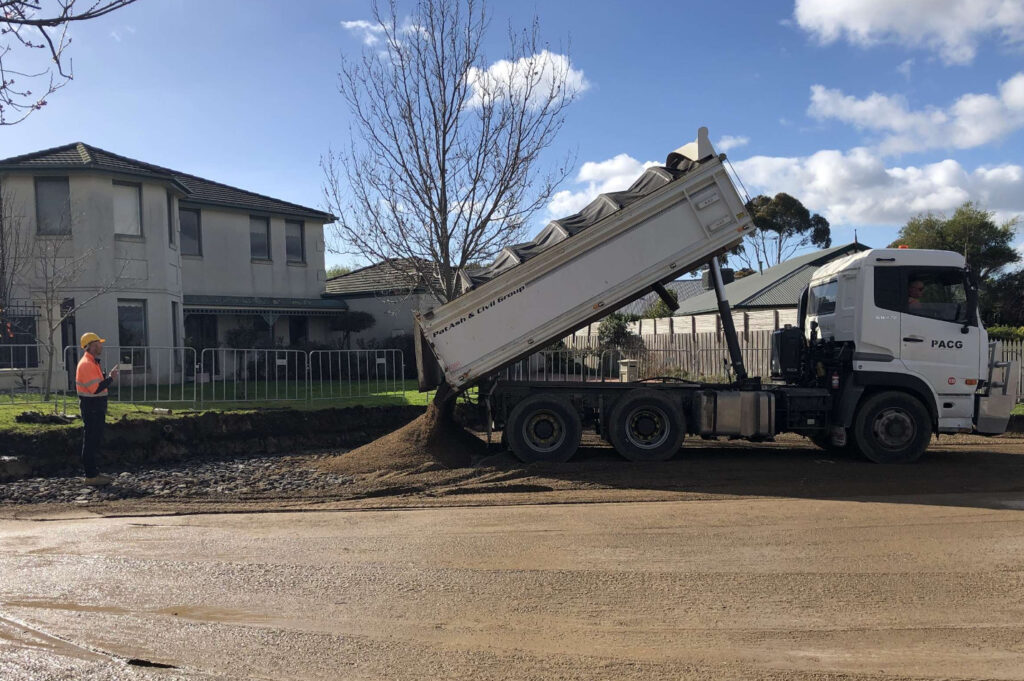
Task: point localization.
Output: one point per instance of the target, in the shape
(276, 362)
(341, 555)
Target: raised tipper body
(672, 220)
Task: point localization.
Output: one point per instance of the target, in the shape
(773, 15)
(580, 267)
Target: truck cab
(906, 320)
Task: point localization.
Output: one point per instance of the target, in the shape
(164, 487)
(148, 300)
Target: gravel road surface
(770, 562)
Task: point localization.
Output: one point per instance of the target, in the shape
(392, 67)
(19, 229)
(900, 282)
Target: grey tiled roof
(683, 288)
(384, 277)
(778, 286)
(80, 156)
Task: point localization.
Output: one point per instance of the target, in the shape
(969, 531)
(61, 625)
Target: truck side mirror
(801, 314)
(972, 306)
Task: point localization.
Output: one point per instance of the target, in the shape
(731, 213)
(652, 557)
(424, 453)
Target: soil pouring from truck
(889, 348)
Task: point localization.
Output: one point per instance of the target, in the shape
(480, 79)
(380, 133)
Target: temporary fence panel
(343, 374)
(252, 375)
(146, 374)
(557, 365)
(20, 356)
(23, 380)
(172, 374)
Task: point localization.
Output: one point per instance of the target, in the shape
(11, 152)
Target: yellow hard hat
(90, 337)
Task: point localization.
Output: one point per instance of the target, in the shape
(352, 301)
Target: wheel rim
(894, 428)
(647, 427)
(544, 431)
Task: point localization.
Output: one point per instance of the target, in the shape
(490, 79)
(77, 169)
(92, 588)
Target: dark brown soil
(432, 440)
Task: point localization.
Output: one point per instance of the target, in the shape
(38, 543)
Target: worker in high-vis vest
(92, 387)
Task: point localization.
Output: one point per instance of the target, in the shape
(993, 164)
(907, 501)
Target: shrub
(614, 333)
(1006, 333)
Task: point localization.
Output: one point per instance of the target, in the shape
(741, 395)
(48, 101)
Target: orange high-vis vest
(88, 377)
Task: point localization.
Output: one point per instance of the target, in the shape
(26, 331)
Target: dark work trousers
(94, 414)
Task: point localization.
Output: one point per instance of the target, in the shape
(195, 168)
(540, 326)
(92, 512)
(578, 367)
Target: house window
(127, 209)
(191, 231)
(18, 349)
(295, 241)
(170, 218)
(132, 330)
(53, 205)
(298, 330)
(259, 238)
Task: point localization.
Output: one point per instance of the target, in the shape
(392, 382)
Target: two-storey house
(175, 259)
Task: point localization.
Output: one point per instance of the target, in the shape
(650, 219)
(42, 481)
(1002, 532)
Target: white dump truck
(889, 348)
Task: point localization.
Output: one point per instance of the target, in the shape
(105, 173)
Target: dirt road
(744, 573)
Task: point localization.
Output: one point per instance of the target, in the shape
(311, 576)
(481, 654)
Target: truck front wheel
(646, 426)
(892, 427)
(543, 428)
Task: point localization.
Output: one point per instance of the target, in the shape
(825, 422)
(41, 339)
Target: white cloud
(904, 69)
(535, 76)
(369, 32)
(855, 187)
(614, 174)
(118, 33)
(731, 142)
(971, 121)
(952, 28)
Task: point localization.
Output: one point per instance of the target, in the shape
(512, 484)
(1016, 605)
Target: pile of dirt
(44, 419)
(432, 439)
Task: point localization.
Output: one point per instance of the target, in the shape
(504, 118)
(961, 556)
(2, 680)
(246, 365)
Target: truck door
(940, 339)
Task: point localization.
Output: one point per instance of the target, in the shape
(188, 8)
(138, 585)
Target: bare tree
(47, 268)
(36, 31)
(59, 269)
(443, 168)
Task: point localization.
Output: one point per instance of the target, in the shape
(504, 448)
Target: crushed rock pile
(430, 440)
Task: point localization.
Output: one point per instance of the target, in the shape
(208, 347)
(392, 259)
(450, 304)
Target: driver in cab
(914, 290)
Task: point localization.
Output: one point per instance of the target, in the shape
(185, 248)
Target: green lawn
(144, 410)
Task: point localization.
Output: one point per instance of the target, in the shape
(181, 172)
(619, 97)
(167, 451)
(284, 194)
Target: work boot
(99, 480)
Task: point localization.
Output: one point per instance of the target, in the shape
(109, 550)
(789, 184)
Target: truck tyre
(892, 427)
(544, 428)
(646, 426)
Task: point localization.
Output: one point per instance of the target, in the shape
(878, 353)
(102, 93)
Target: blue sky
(868, 111)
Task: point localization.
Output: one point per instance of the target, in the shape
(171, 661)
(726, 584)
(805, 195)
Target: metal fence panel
(148, 374)
(557, 365)
(252, 375)
(153, 375)
(343, 374)
(20, 356)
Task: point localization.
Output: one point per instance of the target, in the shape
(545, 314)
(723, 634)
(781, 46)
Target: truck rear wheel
(892, 427)
(543, 428)
(646, 426)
